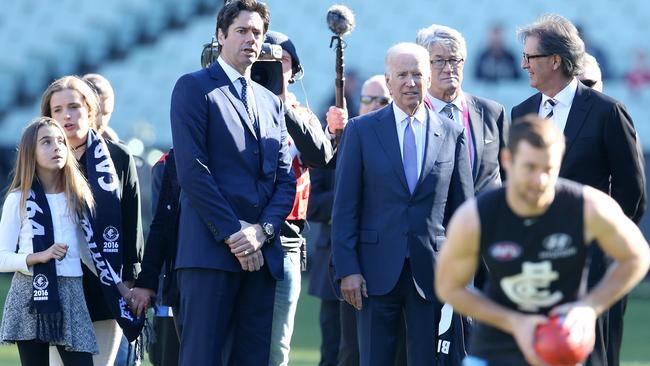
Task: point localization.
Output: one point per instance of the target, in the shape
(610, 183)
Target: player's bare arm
(621, 240)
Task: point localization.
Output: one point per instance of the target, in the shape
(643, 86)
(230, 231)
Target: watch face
(268, 229)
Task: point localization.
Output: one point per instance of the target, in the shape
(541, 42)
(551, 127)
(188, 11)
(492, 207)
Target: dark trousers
(608, 338)
(330, 332)
(33, 353)
(615, 331)
(215, 305)
(349, 348)
(379, 321)
(339, 345)
(163, 350)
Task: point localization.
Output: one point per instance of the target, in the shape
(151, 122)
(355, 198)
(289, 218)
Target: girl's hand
(56, 251)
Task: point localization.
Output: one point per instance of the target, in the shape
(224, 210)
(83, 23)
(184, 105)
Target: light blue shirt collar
(438, 104)
(420, 115)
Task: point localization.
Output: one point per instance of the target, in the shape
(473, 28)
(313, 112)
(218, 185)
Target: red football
(558, 345)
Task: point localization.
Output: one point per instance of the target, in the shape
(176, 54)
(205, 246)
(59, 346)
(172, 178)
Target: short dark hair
(539, 132)
(231, 9)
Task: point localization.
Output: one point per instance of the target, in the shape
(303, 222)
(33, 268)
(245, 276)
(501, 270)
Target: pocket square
(488, 141)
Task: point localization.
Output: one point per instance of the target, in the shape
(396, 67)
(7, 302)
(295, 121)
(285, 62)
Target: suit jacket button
(256, 151)
(256, 205)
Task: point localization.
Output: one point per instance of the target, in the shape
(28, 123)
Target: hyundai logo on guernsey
(558, 245)
(110, 235)
(505, 251)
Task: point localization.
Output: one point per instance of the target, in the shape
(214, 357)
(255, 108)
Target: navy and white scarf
(106, 188)
(108, 279)
(45, 287)
(103, 231)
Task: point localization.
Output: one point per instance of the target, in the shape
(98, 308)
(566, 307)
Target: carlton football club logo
(40, 287)
(111, 234)
(40, 281)
(531, 288)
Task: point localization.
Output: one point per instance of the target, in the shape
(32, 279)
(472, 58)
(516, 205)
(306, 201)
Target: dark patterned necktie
(449, 111)
(246, 101)
(551, 103)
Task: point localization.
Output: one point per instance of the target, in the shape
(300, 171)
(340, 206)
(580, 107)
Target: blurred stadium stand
(143, 46)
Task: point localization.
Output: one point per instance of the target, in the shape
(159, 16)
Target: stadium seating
(42, 40)
(46, 43)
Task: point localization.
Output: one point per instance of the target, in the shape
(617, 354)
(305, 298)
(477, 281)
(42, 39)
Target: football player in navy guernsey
(533, 235)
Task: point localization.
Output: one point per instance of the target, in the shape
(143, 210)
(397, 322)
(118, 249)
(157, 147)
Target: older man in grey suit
(486, 128)
(485, 121)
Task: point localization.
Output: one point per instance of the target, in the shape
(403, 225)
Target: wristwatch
(268, 230)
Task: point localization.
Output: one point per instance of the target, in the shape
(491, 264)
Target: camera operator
(309, 148)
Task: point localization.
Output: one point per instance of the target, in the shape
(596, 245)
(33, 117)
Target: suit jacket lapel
(261, 117)
(387, 135)
(226, 87)
(577, 115)
(433, 142)
(532, 106)
(476, 123)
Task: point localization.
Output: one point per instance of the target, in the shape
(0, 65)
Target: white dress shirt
(234, 75)
(438, 106)
(17, 234)
(561, 110)
(419, 127)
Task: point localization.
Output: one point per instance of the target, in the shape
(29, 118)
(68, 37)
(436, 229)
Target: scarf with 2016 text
(106, 225)
(45, 286)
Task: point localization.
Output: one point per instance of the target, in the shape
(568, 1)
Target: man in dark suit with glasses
(602, 148)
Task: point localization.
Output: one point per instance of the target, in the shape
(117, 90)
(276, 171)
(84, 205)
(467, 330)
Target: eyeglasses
(527, 57)
(440, 63)
(367, 99)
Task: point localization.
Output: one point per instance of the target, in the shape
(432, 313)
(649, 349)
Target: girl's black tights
(33, 353)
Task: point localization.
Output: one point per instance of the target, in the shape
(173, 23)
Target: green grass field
(306, 338)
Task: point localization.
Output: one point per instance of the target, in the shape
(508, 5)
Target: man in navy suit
(401, 173)
(339, 344)
(237, 186)
(602, 148)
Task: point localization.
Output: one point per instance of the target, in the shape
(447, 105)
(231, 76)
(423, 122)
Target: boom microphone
(340, 20)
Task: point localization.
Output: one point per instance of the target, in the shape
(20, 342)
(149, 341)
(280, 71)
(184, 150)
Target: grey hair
(447, 37)
(559, 36)
(407, 48)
